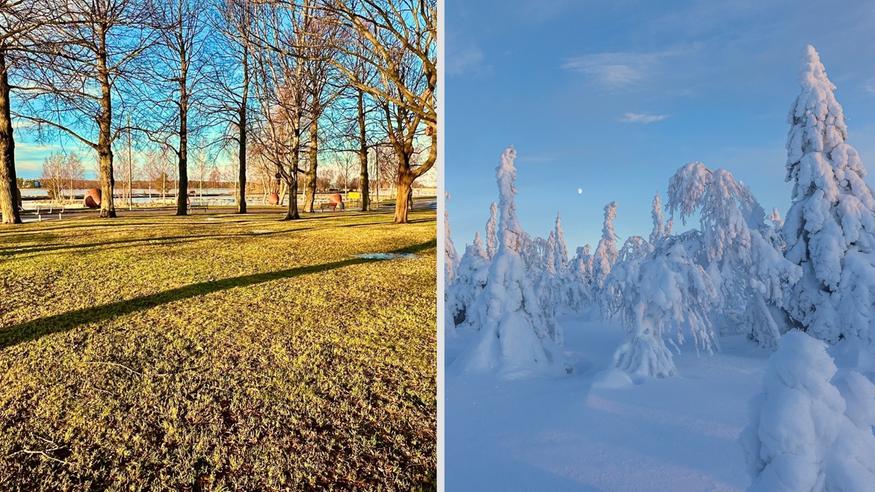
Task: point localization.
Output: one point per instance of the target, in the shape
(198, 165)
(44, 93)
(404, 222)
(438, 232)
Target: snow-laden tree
(830, 227)
(634, 250)
(554, 281)
(451, 257)
(800, 436)
(491, 237)
(580, 279)
(606, 251)
(750, 273)
(658, 231)
(516, 338)
(549, 258)
(533, 251)
(775, 219)
(471, 275)
(582, 264)
(665, 295)
(560, 255)
(548, 283)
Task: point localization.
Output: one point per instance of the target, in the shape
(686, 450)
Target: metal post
(130, 168)
(377, 162)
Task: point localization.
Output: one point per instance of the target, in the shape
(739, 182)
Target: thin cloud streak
(621, 69)
(643, 118)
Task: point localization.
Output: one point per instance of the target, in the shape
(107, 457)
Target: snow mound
(612, 379)
(800, 437)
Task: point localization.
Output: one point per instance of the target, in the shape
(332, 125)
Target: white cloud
(621, 69)
(644, 118)
(870, 86)
(464, 60)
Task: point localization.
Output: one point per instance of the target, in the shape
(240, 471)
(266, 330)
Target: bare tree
(345, 166)
(398, 38)
(101, 41)
(53, 176)
(72, 171)
(126, 169)
(317, 32)
(232, 81)
(179, 59)
(201, 165)
(361, 73)
(281, 93)
(22, 24)
(158, 168)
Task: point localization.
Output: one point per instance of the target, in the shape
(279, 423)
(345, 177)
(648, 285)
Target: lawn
(218, 352)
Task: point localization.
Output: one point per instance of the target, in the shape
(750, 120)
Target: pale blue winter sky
(614, 96)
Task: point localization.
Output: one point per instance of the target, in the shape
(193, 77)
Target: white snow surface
(803, 435)
(596, 429)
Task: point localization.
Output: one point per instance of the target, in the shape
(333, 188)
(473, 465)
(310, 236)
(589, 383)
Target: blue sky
(613, 97)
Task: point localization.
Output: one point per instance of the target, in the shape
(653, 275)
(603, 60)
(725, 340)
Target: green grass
(217, 352)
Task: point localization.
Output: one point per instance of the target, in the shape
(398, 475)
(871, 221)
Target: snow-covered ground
(596, 430)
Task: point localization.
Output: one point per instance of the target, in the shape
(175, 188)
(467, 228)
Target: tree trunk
(310, 192)
(292, 212)
(241, 159)
(241, 153)
(130, 168)
(407, 175)
(363, 154)
(104, 143)
(182, 182)
(404, 194)
(9, 194)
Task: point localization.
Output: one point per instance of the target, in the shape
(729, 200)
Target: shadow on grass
(35, 329)
(161, 240)
(12, 231)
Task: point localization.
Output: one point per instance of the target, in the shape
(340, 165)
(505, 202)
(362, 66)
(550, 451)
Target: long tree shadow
(159, 240)
(76, 225)
(35, 329)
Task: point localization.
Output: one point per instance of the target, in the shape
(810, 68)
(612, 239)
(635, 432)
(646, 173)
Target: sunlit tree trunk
(363, 154)
(182, 182)
(292, 212)
(9, 194)
(241, 124)
(104, 143)
(310, 191)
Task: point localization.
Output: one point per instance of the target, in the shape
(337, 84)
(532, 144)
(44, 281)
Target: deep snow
(597, 430)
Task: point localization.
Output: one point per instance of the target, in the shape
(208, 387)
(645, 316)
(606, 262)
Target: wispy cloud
(869, 86)
(644, 118)
(621, 69)
(469, 58)
(41, 148)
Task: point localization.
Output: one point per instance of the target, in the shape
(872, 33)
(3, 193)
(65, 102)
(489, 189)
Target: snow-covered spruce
(548, 282)
(658, 232)
(516, 339)
(470, 281)
(635, 249)
(606, 251)
(801, 436)
(555, 281)
(561, 254)
(664, 295)
(580, 280)
(491, 237)
(739, 251)
(830, 228)
(776, 220)
(451, 258)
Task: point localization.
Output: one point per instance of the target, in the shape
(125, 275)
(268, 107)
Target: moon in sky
(580, 191)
